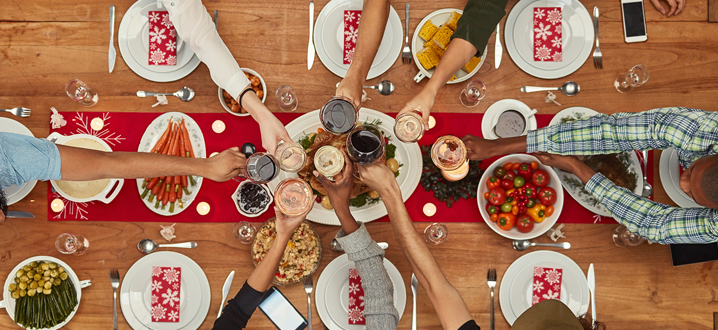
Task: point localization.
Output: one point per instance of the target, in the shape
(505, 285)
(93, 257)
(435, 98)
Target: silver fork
(597, 56)
(406, 53)
(491, 281)
(20, 112)
(308, 289)
(115, 281)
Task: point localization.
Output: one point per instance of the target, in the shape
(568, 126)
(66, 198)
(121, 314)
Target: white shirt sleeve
(194, 25)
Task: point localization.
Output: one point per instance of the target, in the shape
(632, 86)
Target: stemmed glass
(436, 233)
(72, 244)
(291, 156)
(409, 127)
(286, 98)
(244, 232)
(293, 196)
(472, 94)
(365, 144)
(626, 82)
(329, 161)
(78, 91)
(339, 115)
(622, 237)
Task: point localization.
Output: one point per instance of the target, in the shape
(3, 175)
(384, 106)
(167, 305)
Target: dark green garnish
(444, 190)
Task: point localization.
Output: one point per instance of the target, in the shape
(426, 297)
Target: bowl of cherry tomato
(520, 198)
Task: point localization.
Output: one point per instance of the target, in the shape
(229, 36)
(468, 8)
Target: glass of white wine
(409, 127)
(329, 161)
(291, 156)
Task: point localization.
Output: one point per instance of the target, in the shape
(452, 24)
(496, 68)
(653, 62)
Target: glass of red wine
(339, 115)
(261, 167)
(365, 144)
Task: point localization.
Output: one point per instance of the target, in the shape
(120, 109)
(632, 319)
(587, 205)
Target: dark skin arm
(339, 193)
(480, 148)
(569, 164)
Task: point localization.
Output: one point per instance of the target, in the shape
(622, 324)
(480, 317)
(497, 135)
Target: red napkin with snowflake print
(356, 298)
(166, 293)
(548, 37)
(351, 30)
(163, 39)
(547, 284)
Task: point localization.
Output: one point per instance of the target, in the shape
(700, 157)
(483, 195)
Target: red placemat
(123, 130)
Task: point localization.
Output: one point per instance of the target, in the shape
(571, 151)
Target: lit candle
(218, 126)
(214, 154)
(458, 173)
(57, 205)
(432, 122)
(203, 208)
(429, 209)
(97, 123)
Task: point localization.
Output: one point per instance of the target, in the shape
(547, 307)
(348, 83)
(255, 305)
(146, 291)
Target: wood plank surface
(45, 43)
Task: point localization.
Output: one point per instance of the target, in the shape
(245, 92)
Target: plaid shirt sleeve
(655, 221)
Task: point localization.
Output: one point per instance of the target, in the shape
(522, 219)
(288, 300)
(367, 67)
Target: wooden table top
(45, 43)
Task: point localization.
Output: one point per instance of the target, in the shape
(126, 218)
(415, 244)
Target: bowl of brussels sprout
(41, 293)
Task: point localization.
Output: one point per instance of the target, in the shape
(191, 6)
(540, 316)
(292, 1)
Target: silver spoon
(336, 247)
(570, 88)
(148, 246)
(647, 188)
(185, 94)
(521, 245)
(384, 87)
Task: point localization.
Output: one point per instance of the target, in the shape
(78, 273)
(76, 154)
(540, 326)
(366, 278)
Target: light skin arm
(676, 7)
(447, 301)
(271, 128)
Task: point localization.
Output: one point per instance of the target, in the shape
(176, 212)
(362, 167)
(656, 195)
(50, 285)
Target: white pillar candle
(432, 122)
(97, 123)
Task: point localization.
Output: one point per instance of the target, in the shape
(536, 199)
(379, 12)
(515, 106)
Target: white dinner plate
(439, 18)
(122, 40)
(515, 294)
(573, 184)
(577, 31)
(149, 139)
(14, 193)
(328, 36)
(135, 296)
(138, 40)
(670, 176)
(497, 108)
(332, 293)
(407, 154)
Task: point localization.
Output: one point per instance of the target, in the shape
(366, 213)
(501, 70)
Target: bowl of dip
(508, 118)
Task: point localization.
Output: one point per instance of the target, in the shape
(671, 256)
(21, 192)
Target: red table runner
(123, 130)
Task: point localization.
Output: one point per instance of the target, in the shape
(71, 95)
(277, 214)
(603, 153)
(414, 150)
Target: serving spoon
(185, 94)
(148, 246)
(522, 245)
(384, 87)
(570, 88)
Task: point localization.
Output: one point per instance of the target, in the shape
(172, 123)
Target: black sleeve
(478, 22)
(470, 325)
(238, 311)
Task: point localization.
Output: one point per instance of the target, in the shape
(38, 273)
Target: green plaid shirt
(693, 133)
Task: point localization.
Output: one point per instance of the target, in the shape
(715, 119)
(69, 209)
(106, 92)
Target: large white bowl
(539, 228)
(264, 97)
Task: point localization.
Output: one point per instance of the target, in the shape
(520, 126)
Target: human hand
(422, 102)
(565, 163)
(378, 177)
(286, 225)
(352, 89)
(225, 165)
(676, 6)
(339, 191)
(272, 131)
(478, 148)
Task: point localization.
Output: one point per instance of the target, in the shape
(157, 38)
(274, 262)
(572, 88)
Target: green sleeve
(479, 21)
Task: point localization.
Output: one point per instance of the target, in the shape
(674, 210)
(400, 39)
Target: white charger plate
(516, 285)
(332, 293)
(408, 154)
(670, 176)
(193, 278)
(152, 135)
(14, 193)
(439, 18)
(328, 36)
(577, 34)
(573, 184)
(497, 108)
(138, 40)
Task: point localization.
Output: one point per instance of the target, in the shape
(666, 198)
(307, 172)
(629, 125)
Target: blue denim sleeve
(25, 158)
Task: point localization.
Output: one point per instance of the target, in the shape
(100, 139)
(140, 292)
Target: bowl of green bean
(41, 293)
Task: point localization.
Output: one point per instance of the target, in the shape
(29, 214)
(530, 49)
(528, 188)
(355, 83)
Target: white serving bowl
(264, 97)
(539, 228)
(235, 196)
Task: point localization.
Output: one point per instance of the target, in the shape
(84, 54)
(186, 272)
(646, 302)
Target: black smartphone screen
(634, 22)
(683, 254)
(281, 312)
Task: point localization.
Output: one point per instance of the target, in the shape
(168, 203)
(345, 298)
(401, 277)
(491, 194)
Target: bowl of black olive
(252, 199)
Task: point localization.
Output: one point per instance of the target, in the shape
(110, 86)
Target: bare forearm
(508, 146)
(262, 276)
(375, 14)
(458, 53)
(256, 108)
(349, 224)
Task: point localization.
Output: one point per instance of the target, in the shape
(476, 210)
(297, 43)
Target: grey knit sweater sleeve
(379, 310)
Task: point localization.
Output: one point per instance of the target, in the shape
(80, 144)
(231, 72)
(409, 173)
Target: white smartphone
(634, 21)
(281, 312)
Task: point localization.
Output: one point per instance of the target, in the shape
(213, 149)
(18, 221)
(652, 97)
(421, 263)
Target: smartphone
(634, 21)
(685, 254)
(281, 312)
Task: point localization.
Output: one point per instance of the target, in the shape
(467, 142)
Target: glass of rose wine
(293, 196)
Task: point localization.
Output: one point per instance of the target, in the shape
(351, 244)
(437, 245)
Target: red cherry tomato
(540, 178)
(534, 165)
(524, 223)
(547, 196)
(510, 175)
(507, 184)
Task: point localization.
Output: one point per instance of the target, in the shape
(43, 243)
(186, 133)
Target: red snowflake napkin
(547, 284)
(548, 39)
(166, 293)
(351, 30)
(356, 298)
(163, 39)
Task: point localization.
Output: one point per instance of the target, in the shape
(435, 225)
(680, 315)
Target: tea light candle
(203, 208)
(429, 209)
(214, 154)
(97, 123)
(458, 173)
(57, 205)
(432, 122)
(218, 126)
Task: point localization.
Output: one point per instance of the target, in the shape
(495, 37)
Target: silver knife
(225, 291)
(19, 214)
(111, 56)
(591, 279)
(216, 19)
(310, 49)
(498, 49)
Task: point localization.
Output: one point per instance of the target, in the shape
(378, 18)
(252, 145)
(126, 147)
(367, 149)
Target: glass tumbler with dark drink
(365, 144)
(339, 115)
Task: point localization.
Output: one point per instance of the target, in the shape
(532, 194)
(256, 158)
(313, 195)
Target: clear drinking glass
(78, 91)
(244, 232)
(329, 161)
(286, 98)
(472, 94)
(365, 144)
(291, 156)
(261, 168)
(448, 153)
(626, 82)
(72, 244)
(339, 115)
(409, 127)
(293, 196)
(436, 233)
(622, 237)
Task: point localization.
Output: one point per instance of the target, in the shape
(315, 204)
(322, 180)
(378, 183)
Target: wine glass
(622, 237)
(293, 196)
(365, 144)
(472, 94)
(436, 233)
(291, 156)
(261, 168)
(78, 91)
(409, 127)
(329, 161)
(72, 244)
(339, 115)
(448, 153)
(244, 232)
(626, 82)
(286, 98)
